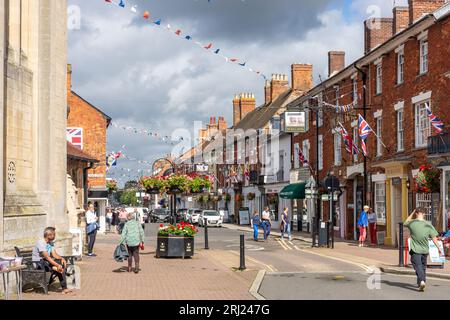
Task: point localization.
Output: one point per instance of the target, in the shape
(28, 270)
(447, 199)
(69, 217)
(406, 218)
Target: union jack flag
(75, 137)
(364, 132)
(438, 124)
(111, 160)
(350, 146)
(302, 158)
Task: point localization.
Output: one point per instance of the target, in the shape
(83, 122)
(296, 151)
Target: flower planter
(153, 191)
(175, 247)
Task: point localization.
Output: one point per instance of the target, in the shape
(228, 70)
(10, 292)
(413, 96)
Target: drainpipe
(364, 76)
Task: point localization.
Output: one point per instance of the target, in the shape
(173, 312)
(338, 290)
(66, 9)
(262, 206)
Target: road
(294, 274)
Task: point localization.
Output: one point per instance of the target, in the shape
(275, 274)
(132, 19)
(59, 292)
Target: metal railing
(439, 144)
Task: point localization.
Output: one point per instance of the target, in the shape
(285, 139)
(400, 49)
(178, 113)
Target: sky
(145, 77)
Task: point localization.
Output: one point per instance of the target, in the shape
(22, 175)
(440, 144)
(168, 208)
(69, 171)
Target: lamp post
(173, 195)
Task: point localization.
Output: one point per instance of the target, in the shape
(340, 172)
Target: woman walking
(133, 238)
(109, 218)
(421, 232)
(286, 224)
(363, 223)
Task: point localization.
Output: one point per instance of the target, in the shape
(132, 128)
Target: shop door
(396, 212)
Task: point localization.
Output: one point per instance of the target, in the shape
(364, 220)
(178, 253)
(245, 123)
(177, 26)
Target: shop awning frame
(294, 191)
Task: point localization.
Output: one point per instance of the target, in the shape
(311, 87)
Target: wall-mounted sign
(293, 122)
(201, 167)
(96, 175)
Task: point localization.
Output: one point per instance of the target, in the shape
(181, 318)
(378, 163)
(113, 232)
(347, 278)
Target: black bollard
(401, 245)
(206, 234)
(242, 266)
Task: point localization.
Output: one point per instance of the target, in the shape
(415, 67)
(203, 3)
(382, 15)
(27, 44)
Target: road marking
(269, 267)
(362, 266)
(283, 245)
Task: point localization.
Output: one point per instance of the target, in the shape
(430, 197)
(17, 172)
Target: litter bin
(324, 234)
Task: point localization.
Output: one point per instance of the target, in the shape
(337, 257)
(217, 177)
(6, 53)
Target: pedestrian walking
(122, 220)
(92, 227)
(256, 221)
(115, 220)
(372, 217)
(286, 224)
(266, 223)
(133, 238)
(421, 232)
(139, 217)
(108, 218)
(363, 223)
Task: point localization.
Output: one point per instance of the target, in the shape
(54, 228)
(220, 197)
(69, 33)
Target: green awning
(294, 191)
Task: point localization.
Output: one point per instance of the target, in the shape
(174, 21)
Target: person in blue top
(363, 223)
(285, 224)
(256, 221)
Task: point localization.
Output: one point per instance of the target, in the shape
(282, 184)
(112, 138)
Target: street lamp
(173, 195)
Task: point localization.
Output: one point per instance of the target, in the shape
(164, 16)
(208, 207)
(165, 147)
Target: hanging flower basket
(251, 196)
(227, 197)
(154, 185)
(199, 184)
(177, 184)
(428, 180)
(111, 185)
(273, 199)
(239, 197)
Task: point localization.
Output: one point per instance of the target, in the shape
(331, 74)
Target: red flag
(209, 46)
(178, 32)
(146, 15)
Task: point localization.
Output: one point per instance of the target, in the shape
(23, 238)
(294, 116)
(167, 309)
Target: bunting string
(158, 22)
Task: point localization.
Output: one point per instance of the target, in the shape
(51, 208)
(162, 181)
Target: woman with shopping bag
(133, 237)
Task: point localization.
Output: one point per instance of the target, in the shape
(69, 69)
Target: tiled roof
(76, 154)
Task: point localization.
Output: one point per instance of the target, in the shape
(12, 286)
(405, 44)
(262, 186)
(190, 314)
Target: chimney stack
(401, 19)
(236, 110)
(419, 8)
(248, 104)
(267, 93)
(279, 86)
(336, 62)
(243, 104)
(376, 32)
(222, 124)
(302, 77)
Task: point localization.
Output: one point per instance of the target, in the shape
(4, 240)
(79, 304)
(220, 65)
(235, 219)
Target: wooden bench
(35, 273)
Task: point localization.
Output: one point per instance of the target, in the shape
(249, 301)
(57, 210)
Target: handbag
(91, 227)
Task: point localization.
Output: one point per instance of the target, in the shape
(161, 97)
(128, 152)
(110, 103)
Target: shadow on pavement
(121, 270)
(402, 285)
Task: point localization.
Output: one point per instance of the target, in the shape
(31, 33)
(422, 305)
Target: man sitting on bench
(54, 263)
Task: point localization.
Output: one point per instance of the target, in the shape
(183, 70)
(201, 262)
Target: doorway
(396, 212)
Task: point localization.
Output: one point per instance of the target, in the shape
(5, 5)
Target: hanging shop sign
(293, 122)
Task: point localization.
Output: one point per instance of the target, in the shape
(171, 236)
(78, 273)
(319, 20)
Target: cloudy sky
(147, 78)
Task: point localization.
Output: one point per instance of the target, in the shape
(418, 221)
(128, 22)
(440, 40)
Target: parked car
(160, 215)
(193, 215)
(214, 219)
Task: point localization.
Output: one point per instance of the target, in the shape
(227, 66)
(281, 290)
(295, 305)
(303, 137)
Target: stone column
(2, 109)
(388, 238)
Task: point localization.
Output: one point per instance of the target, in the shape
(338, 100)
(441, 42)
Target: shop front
(275, 203)
(446, 197)
(296, 195)
(99, 197)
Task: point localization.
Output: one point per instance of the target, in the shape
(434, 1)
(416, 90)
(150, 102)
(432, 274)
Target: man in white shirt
(266, 222)
(91, 218)
(139, 217)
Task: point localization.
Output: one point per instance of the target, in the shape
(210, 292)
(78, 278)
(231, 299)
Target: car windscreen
(210, 213)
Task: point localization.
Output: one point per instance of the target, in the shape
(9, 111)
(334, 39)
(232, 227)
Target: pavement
(209, 275)
(382, 257)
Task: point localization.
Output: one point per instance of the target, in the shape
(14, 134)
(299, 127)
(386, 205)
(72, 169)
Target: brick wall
(94, 124)
(377, 31)
(401, 19)
(336, 62)
(419, 8)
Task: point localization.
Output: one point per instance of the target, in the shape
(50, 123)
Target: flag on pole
(302, 158)
(437, 123)
(364, 133)
(348, 141)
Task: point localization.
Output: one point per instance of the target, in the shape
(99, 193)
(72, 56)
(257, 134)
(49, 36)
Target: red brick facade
(434, 83)
(94, 123)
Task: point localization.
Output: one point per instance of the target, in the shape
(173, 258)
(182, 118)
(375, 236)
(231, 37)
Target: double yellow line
(284, 245)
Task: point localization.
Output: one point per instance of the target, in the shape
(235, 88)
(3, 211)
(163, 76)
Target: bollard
(401, 245)
(206, 234)
(242, 264)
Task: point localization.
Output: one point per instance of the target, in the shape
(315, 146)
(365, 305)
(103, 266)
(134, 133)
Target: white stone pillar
(2, 107)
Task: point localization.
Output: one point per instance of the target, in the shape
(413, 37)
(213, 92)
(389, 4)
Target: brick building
(405, 68)
(94, 124)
